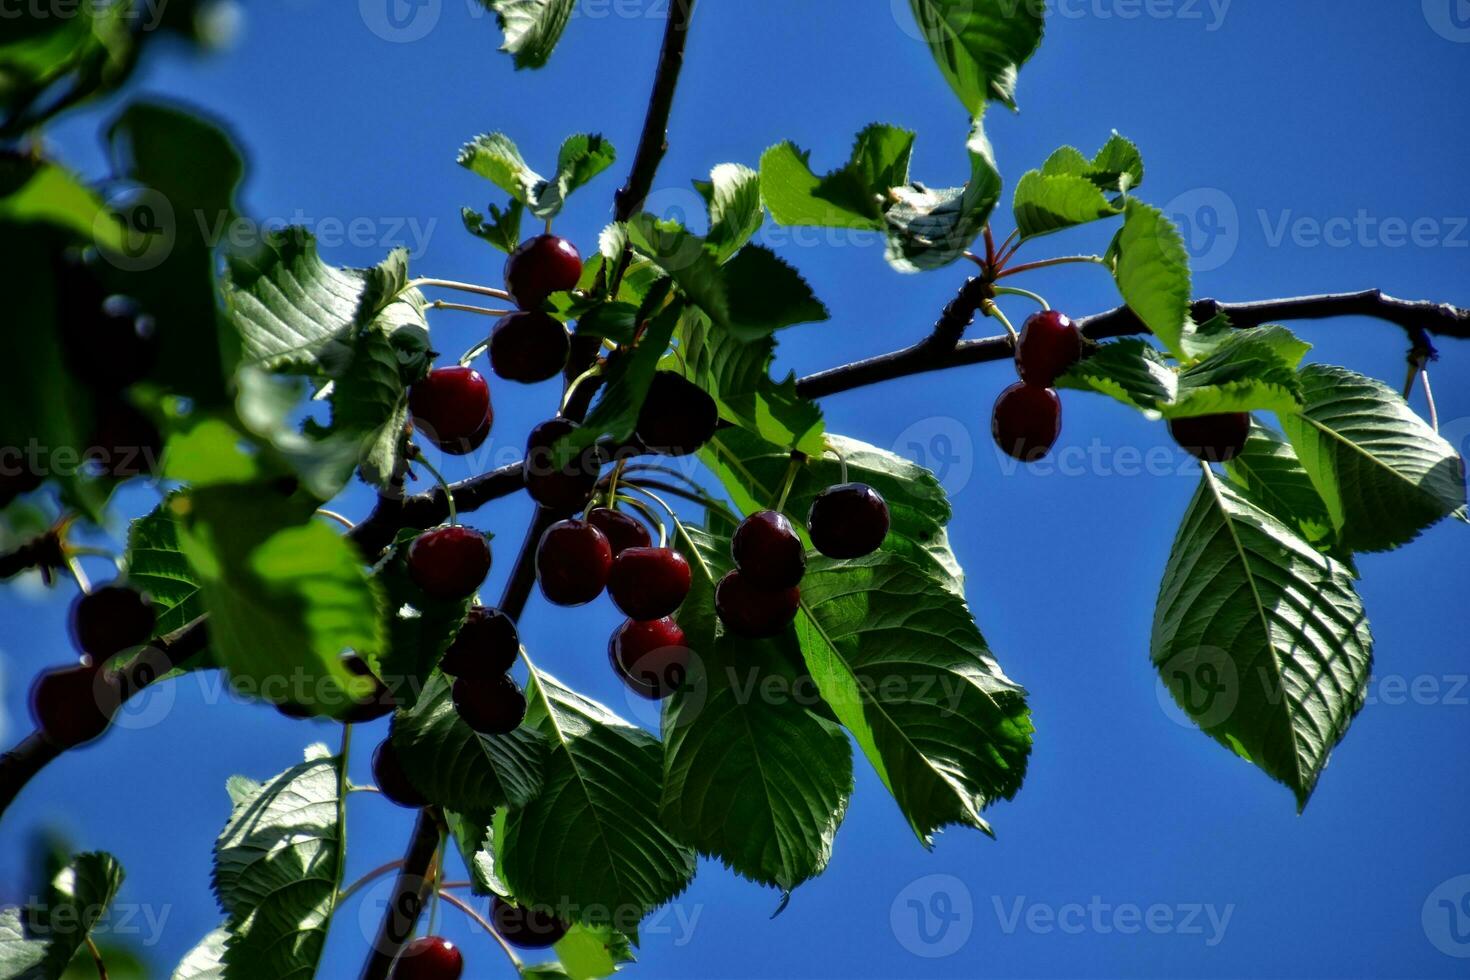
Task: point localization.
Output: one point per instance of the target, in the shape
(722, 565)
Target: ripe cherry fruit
(1212, 438)
(392, 778)
(559, 489)
(677, 416)
(110, 619)
(429, 958)
(485, 647)
(529, 928)
(650, 656)
(542, 265)
(649, 583)
(451, 408)
(623, 531)
(573, 561)
(72, 705)
(848, 521)
(1050, 344)
(112, 345)
(754, 612)
(768, 551)
(1026, 421)
(529, 347)
(491, 707)
(449, 562)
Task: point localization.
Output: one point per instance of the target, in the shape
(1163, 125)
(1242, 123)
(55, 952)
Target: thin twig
(464, 907)
(464, 287)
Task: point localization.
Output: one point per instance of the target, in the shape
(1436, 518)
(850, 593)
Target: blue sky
(1297, 141)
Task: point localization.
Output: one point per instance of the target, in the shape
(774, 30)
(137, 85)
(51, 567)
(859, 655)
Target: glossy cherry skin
(1026, 421)
(1050, 344)
(848, 521)
(429, 958)
(449, 562)
(677, 416)
(72, 705)
(125, 442)
(573, 561)
(650, 656)
(491, 707)
(754, 612)
(649, 583)
(542, 265)
(768, 551)
(485, 647)
(111, 619)
(451, 409)
(392, 779)
(563, 490)
(529, 347)
(623, 531)
(1212, 438)
(528, 928)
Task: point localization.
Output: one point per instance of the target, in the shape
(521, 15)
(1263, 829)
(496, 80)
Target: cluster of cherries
(1027, 419)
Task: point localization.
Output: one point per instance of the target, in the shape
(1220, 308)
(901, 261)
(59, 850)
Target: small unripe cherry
(449, 562)
(1049, 345)
(541, 266)
(1026, 421)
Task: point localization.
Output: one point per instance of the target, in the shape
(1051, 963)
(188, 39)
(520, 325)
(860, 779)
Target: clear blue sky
(1281, 117)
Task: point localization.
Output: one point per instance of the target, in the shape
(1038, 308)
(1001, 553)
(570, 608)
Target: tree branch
(654, 142)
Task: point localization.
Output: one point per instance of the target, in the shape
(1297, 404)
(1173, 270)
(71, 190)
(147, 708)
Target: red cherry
(72, 705)
(449, 562)
(529, 928)
(392, 778)
(485, 647)
(451, 408)
(650, 656)
(563, 490)
(529, 347)
(111, 619)
(753, 612)
(1026, 421)
(623, 531)
(649, 583)
(542, 265)
(1212, 438)
(573, 560)
(429, 958)
(848, 521)
(1050, 344)
(111, 345)
(768, 551)
(491, 707)
(677, 416)
(125, 442)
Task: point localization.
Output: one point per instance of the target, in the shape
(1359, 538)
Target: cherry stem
(612, 481)
(697, 496)
(989, 245)
(474, 352)
(1001, 252)
(1016, 270)
(97, 958)
(440, 304)
(1429, 397)
(786, 484)
(480, 920)
(464, 287)
(438, 879)
(77, 572)
(648, 513)
(1013, 291)
(343, 754)
(339, 518)
(841, 462)
(990, 309)
(368, 879)
(586, 375)
(443, 483)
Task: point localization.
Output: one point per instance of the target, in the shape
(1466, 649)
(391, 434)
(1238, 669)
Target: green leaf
(751, 776)
(44, 193)
(206, 960)
(495, 157)
(613, 321)
(1130, 370)
(1151, 266)
(929, 229)
(37, 943)
(156, 564)
(980, 45)
(593, 952)
(766, 294)
(851, 197)
(1045, 203)
(1261, 639)
(1242, 375)
(501, 229)
(684, 258)
(277, 867)
(591, 845)
(460, 769)
(1268, 472)
(1117, 168)
(1385, 475)
(733, 196)
(532, 27)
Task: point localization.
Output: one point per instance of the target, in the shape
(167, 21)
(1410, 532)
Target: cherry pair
(1027, 418)
(531, 345)
(480, 658)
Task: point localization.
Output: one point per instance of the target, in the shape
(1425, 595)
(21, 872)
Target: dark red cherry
(451, 409)
(111, 619)
(392, 778)
(429, 958)
(113, 345)
(529, 347)
(529, 928)
(491, 707)
(1212, 438)
(125, 442)
(754, 612)
(1050, 344)
(565, 489)
(768, 551)
(542, 265)
(378, 704)
(449, 562)
(623, 531)
(72, 705)
(677, 416)
(649, 583)
(848, 521)
(573, 561)
(650, 656)
(485, 647)
(1026, 421)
